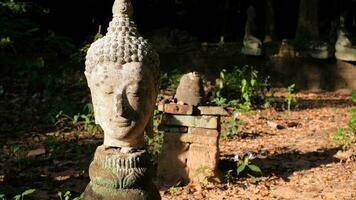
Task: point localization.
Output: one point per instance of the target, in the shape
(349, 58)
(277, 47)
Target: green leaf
(17, 197)
(354, 96)
(246, 159)
(240, 169)
(28, 192)
(255, 168)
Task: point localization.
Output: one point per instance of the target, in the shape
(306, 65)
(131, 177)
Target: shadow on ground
(285, 164)
(62, 168)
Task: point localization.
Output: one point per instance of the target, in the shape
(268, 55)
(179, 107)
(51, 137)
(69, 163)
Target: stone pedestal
(119, 176)
(190, 151)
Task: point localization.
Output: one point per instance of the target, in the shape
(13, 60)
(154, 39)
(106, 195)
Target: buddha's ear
(88, 77)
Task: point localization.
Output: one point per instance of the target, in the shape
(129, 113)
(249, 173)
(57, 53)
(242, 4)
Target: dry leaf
(36, 152)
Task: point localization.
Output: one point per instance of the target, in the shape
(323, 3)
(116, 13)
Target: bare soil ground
(294, 150)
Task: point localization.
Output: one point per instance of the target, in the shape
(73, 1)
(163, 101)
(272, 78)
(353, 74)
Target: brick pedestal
(190, 151)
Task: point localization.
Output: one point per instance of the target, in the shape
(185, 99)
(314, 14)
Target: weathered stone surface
(190, 89)
(318, 49)
(122, 73)
(209, 138)
(191, 121)
(121, 174)
(172, 165)
(189, 157)
(178, 109)
(343, 47)
(286, 50)
(212, 110)
(173, 129)
(202, 162)
(251, 44)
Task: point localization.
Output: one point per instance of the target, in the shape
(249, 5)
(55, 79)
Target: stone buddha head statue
(122, 74)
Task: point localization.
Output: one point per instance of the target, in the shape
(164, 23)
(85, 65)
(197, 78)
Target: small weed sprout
(67, 196)
(204, 172)
(290, 99)
(218, 98)
(174, 190)
(231, 129)
(245, 162)
(228, 175)
(346, 137)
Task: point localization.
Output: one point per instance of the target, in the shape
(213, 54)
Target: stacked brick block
(190, 151)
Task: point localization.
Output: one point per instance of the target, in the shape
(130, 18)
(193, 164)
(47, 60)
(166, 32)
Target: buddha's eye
(107, 89)
(109, 92)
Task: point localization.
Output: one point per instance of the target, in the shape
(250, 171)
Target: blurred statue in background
(251, 44)
(122, 71)
(343, 47)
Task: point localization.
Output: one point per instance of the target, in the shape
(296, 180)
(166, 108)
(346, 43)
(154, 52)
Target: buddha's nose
(119, 104)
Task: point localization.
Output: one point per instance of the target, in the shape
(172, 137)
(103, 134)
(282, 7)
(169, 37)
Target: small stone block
(173, 108)
(212, 110)
(209, 139)
(160, 107)
(203, 132)
(202, 162)
(173, 129)
(191, 121)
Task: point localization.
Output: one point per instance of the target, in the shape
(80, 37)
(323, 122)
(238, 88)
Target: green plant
(246, 162)
(67, 196)
(346, 137)
(242, 86)
(174, 190)
(205, 173)
(17, 7)
(19, 153)
(155, 143)
(218, 99)
(228, 175)
(231, 129)
(86, 121)
(82, 121)
(290, 99)
(19, 196)
(170, 80)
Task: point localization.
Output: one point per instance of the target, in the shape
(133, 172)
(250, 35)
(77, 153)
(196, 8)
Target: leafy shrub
(231, 129)
(170, 80)
(155, 143)
(82, 121)
(242, 85)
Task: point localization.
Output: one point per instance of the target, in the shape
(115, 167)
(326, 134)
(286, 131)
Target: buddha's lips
(122, 122)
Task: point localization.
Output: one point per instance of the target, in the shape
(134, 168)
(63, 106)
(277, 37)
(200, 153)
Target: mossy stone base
(96, 192)
(117, 175)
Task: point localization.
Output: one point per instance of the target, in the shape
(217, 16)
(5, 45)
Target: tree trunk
(270, 21)
(308, 25)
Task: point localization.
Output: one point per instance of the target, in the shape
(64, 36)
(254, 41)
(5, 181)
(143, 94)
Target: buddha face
(123, 99)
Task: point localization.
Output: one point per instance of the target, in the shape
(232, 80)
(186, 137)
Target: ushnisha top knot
(122, 8)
